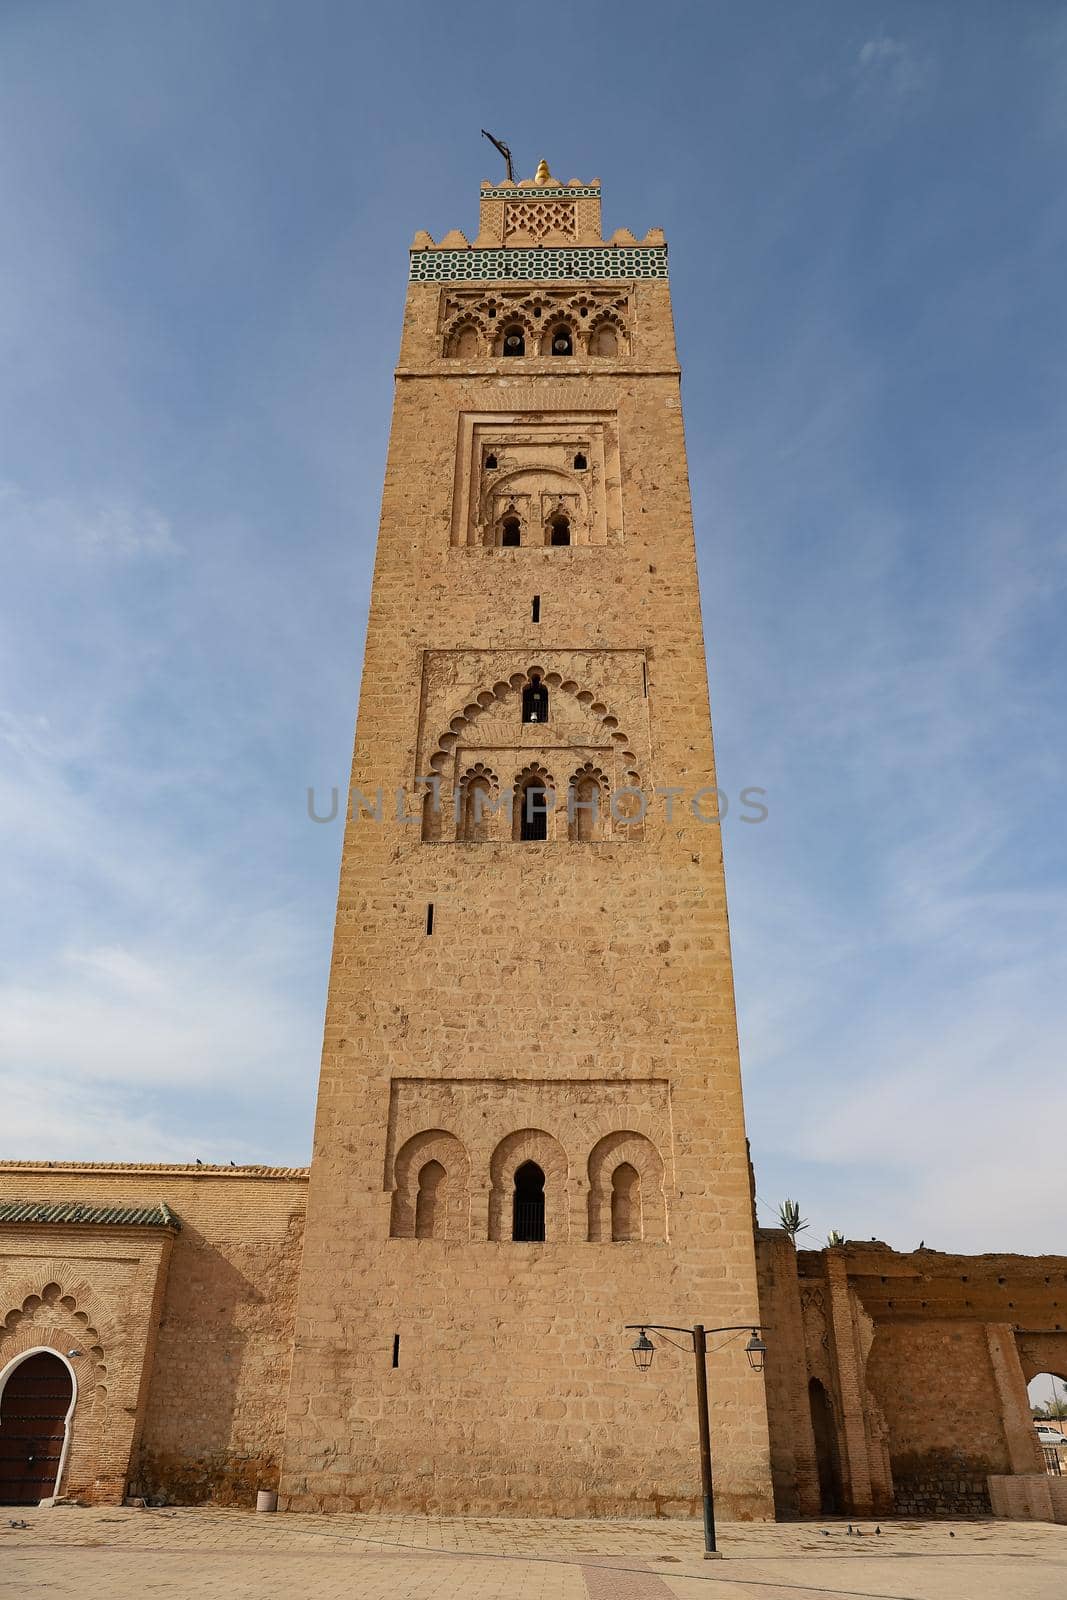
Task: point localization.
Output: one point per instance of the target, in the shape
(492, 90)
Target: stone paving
(174, 1554)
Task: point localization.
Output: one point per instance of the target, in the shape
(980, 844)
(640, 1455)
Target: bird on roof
(199, 1162)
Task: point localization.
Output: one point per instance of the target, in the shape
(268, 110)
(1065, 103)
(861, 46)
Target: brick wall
(214, 1350)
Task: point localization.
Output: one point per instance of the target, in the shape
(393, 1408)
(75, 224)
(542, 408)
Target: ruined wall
(216, 1361)
(793, 1464)
(923, 1358)
(946, 1431)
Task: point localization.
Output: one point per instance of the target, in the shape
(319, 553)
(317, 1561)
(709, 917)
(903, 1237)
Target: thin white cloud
(100, 524)
(893, 66)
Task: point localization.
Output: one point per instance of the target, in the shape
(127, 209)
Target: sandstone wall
(568, 993)
(206, 1361)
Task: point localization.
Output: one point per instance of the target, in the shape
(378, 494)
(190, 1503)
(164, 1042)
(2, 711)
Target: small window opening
(535, 609)
(491, 312)
(396, 1349)
(428, 1200)
(511, 534)
(429, 917)
(514, 342)
(490, 462)
(584, 312)
(561, 531)
(580, 462)
(561, 342)
(625, 1203)
(537, 311)
(528, 1205)
(535, 701)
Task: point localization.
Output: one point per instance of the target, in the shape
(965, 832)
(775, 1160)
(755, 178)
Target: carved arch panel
(513, 1152)
(646, 1201)
(448, 1217)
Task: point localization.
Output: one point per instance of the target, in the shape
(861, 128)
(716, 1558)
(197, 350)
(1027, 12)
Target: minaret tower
(530, 1128)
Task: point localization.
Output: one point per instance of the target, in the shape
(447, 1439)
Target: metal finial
(504, 151)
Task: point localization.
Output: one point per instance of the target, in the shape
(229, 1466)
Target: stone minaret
(530, 1129)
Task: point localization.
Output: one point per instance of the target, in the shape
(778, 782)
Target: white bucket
(267, 1500)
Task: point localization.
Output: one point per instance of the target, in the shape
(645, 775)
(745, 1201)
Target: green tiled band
(538, 266)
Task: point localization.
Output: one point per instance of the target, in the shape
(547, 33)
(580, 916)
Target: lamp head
(642, 1351)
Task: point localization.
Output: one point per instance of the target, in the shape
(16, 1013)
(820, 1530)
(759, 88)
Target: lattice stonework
(538, 218)
(541, 266)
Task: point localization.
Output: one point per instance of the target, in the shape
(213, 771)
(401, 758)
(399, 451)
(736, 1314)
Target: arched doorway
(35, 1406)
(822, 1426)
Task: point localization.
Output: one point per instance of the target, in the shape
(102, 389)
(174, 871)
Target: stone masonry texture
(529, 1130)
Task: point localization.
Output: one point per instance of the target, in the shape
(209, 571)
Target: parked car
(1049, 1435)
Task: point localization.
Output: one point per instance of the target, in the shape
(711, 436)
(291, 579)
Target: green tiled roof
(158, 1216)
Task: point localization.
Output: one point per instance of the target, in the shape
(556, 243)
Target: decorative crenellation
(531, 265)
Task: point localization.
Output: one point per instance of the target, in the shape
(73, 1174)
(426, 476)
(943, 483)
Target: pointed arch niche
(431, 1188)
(517, 1164)
(626, 1200)
(534, 478)
(493, 733)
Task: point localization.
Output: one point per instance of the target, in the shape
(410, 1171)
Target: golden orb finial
(542, 177)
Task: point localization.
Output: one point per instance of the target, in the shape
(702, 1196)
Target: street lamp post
(643, 1350)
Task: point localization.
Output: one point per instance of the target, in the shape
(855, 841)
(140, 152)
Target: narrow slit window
(429, 917)
(535, 609)
(396, 1349)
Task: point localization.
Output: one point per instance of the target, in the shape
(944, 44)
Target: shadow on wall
(215, 1413)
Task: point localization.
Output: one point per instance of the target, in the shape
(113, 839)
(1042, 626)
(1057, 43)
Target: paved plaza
(130, 1554)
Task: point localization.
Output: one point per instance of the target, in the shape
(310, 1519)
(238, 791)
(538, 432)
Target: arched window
(467, 342)
(429, 1200)
(490, 462)
(528, 1205)
(562, 344)
(580, 463)
(533, 810)
(476, 811)
(625, 1203)
(514, 342)
(561, 531)
(584, 807)
(511, 533)
(605, 341)
(535, 701)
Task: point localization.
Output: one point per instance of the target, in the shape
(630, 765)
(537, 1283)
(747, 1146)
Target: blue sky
(206, 216)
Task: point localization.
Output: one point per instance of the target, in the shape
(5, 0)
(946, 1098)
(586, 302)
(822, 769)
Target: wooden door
(33, 1410)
